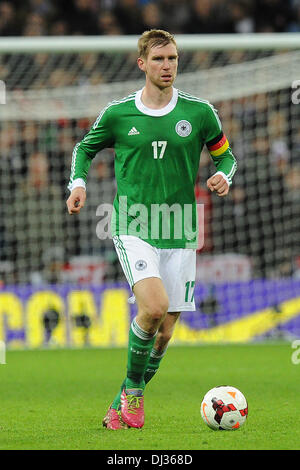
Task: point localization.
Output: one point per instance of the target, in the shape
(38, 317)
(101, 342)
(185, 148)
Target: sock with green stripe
(140, 345)
(152, 367)
(153, 364)
(139, 348)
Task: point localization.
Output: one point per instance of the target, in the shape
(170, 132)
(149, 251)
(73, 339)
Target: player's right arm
(99, 137)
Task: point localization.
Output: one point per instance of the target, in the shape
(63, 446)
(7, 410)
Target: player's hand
(219, 184)
(76, 200)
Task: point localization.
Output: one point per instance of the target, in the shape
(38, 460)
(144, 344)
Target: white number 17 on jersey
(160, 144)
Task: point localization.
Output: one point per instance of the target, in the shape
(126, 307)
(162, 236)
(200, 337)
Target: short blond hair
(153, 38)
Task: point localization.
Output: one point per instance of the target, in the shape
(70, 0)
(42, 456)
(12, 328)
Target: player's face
(160, 66)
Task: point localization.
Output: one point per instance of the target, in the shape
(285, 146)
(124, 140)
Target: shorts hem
(142, 278)
(192, 308)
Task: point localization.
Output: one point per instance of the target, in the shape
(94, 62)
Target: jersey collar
(156, 112)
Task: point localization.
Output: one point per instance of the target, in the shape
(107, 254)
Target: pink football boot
(112, 420)
(132, 407)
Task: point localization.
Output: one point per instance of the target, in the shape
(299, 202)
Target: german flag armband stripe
(218, 145)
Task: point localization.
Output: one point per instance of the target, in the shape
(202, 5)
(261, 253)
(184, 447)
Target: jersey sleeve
(218, 145)
(99, 137)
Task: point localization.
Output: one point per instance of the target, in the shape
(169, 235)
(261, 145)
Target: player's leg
(140, 262)
(178, 270)
(159, 349)
(152, 301)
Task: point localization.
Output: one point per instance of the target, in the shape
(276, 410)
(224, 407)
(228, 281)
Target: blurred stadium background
(61, 62)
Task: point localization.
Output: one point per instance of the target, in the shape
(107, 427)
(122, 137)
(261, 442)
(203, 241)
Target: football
(224, 408)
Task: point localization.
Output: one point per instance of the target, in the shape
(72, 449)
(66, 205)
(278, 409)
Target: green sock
(115, 404)
(153, 364)
(152, 367)
(139, 347)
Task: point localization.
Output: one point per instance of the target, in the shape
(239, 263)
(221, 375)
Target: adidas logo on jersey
(133, 131)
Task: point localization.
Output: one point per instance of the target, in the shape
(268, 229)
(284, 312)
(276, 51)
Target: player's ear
(141, 64)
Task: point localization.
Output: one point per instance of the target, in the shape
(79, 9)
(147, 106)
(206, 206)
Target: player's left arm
(221, 154)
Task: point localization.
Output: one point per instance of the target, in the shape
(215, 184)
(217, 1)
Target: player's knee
(158, 310)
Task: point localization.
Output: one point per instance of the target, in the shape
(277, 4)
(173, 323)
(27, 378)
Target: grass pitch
(56, 399)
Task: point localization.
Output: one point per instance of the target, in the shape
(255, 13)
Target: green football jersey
(157, 154)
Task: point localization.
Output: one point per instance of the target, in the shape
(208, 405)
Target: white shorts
(175, 267)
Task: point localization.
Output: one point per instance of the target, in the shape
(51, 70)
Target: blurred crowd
(117, 17)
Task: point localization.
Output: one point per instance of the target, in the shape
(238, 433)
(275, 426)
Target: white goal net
(54, 94)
